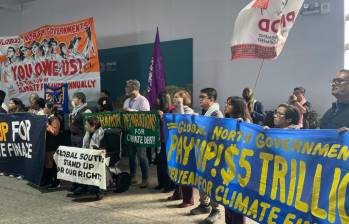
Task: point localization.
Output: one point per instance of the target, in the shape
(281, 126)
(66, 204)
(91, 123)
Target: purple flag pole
(156, 80)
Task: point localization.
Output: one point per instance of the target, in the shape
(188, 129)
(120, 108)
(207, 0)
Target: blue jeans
(141, 154)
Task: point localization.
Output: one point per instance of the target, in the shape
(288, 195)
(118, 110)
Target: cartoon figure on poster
(51, 54)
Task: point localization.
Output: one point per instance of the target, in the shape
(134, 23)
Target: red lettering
(55, 68)
(47, 67)
(28, 70)
(14, 72)
(264, 25)
(73, 66)
(21, 72)
(38, 69)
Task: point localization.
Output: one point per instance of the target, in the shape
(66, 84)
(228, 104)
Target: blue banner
(271, 176)
(59, 96)
(22, 145)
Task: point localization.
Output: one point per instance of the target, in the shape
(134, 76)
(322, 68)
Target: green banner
(139, 128)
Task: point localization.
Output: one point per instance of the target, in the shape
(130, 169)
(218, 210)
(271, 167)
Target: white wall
(312, 55)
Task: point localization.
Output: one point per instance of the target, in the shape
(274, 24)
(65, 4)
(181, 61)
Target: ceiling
(14, 5)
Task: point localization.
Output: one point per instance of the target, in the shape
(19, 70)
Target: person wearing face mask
(76, 118)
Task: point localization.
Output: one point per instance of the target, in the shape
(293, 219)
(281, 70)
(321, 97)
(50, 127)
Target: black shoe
(213, 216)
(54, 185)
(73, 187)
(201, 209)
(80, 191)
(99, 195)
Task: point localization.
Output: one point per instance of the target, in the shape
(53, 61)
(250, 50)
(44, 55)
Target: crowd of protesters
(294, 113)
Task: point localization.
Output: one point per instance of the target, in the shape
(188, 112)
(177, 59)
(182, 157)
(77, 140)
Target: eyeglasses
(203, 97)
(278, 114)
(338, 81)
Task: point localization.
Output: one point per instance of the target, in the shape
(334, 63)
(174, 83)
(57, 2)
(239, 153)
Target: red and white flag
(262, 27)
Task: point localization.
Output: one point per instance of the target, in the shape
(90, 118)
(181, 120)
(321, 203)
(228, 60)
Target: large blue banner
(271, 176)
(22, 145)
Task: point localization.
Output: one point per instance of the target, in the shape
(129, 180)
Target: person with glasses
(286, 117)
(210, 107)
(136, 102)
(337, 117)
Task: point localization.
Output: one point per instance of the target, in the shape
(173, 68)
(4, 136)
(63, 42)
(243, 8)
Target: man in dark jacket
(76, 124)
(337, 117)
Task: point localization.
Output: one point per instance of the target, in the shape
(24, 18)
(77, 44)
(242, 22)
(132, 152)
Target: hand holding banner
(270, 176)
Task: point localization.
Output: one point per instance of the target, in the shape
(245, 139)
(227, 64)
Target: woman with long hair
(15, 105)
(53, 141)
(182, 102)
(235, 107)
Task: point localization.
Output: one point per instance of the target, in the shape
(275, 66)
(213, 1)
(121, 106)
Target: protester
(208, 97)
(137, 102)
(76, 118)
(33, 97)
(298, 100)
(235, 107)
(2, 98)
(15, 105)
(254, 106)
(182, 102)
(337, 117)
(38, 107)
(2, 110)
(303, 105)
(53, 141)
(105, 93)
(164, 181)
(286, 117)
(105, 104)
(92, 140)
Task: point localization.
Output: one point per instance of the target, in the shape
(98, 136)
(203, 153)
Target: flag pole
(259, 73)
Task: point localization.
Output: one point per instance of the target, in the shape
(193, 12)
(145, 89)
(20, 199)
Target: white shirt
(140, 103)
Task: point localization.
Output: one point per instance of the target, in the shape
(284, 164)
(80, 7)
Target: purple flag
(156, 80)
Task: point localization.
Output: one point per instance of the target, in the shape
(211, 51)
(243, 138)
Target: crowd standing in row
(296, 113)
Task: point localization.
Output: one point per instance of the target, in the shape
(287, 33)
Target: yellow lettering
(266, 157)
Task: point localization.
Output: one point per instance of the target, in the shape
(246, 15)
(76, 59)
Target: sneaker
(2, 174)
(144, 184)
(213, 216)
(19, 178)
(201, 209)
(11, 175)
